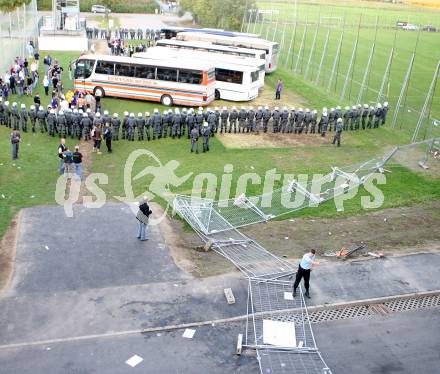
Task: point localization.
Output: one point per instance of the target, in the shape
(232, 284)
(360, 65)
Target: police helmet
(23, 106)
(260, 108)
(147, 114)
(359, 105)
(88, 110)
(32, 107)
(234, 108)
(115, 115)
(366, 106)
(242, 108)
(139, 114)
(14, 104)
(332, 109)
(324, 109)
(61, 113)
(132, 115)
(379, 105)
(285, 108)
(80, 111)
(339, 120)
(300, 109)
(6, 103)
(338, 107)
(75, 111)
(176, 111)
(41, 108)
(347, 108)
(292, 109)
(385, 103)
(106, 112)
(156, 110)
(216, 108)
(307, 110)
(266, 107)
(353, 107)
(276, 108)
(52, 111)
(98, 115)
(84, 114)
(224, 108)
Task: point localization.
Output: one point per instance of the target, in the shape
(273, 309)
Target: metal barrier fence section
(278, 326)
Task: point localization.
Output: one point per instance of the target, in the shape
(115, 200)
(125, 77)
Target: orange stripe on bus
(91, 84)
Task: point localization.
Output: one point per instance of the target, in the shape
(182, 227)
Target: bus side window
(145, 72)
(104, 67)
(167, 74)
(125, 70)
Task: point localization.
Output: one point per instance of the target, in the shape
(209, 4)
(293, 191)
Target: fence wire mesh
(17, 28)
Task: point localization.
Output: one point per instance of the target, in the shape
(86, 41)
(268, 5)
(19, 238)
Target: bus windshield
(84, 69)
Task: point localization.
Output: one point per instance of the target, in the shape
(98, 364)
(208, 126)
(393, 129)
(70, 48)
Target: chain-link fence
(360, 56)
(17, 28)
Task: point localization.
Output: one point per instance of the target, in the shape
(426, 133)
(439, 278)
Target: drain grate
(413, 303)
(339, 313)
(378, 309)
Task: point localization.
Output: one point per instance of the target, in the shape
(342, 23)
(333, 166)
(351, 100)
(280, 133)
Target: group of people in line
(122, 33)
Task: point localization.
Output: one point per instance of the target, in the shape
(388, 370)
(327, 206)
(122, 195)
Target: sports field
(32, 179)
(304, 28)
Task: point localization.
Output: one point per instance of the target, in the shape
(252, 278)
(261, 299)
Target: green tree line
(227, 14)
(10, 5)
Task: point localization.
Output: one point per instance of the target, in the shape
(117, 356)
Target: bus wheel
(217, 94)
(166, 100)
(99, 91)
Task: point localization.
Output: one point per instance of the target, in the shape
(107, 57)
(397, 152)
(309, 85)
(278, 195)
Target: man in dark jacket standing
(143, 218)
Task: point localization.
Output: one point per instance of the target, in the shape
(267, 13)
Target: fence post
(318, 75)
(301, 47)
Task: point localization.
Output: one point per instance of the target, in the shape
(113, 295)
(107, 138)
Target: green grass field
(31, 181)
(305, 61)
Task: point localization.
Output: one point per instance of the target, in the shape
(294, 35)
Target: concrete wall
(63, 43)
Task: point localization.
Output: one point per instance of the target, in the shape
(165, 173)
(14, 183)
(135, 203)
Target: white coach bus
(233, 82)
(215, 59)
(270, 48)
(168, 81)
(195, 45)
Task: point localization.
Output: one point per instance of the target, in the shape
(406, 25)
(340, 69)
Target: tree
(10, 5)
(226, 14)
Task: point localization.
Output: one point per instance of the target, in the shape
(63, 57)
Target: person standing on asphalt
(143, 218)
(304, 269)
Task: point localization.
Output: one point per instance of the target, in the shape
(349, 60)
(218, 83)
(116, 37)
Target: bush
(120, 6)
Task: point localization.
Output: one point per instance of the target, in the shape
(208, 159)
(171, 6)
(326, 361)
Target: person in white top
(304, 269)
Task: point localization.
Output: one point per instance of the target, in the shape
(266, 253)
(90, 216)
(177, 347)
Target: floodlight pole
(318, 75)
(404, 90)
(367, 68)
(312, 50)
(271, 18)
(354, 60)
(427, 104)
(291, 44)
(244, 16)
(284, 35)
(336, 61)
(387, 70)
(276, 28)
(344, 88)
(301, 47)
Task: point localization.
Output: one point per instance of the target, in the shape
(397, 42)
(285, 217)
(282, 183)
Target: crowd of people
(122, 33)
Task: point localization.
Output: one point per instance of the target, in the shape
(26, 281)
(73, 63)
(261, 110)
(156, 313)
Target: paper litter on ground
(46, 247)
(278, 333)
(288, 296)
(189, 333)
(134, 360)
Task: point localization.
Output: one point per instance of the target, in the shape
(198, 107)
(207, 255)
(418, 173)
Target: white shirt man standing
(304, 269)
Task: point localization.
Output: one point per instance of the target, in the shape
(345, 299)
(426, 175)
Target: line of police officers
(122, 33)
(176, 123)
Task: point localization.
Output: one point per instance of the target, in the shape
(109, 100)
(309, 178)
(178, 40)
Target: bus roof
(165, 62)
(203, 44)
(206, 56)
(157, 54)
(206, 30)
(214, 38)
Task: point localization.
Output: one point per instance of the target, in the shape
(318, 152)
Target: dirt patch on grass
(411, 157)
(271, 140)
(391, 231)
(8, 246)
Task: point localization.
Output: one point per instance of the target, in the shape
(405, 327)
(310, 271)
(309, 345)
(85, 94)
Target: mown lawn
(32, 180)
